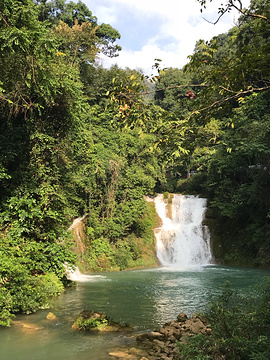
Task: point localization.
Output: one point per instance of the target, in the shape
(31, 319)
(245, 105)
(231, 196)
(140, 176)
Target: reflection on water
(144, 299)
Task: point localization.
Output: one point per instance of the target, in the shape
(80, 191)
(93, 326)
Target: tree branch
(214, 23)
(218, 102)
(240, 9)
(132, 95)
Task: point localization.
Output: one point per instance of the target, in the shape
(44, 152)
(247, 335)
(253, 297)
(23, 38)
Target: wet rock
(164, 357)
(171, 338)
(168, 330)
(142, 337)
(177, 333)
(182, 317)
(132, 353)
(175, 324)
(27, 326)
(97, 321)
(162, 344)
(162, 331)
(119, 354)
(138, 352)
(51, 316)
(196, 326)
(156, 335)
(159, 344)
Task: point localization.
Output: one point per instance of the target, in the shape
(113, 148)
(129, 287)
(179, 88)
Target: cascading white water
(182, 240)
(76, 275)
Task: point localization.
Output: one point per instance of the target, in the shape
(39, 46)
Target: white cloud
(108, 14)
(143, 59)
(178, 23)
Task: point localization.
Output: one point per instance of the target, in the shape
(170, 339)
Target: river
(144, 299)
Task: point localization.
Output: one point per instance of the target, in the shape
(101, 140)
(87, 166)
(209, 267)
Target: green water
(144, 299)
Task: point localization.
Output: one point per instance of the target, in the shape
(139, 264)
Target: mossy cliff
(135, 250)
(237, 244)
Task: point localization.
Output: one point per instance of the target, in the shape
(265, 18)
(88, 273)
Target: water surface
(145, 299)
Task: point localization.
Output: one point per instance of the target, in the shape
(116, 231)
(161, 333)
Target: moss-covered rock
(97, 321)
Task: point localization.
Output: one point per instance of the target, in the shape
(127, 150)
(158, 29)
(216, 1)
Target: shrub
(22, 292)
(240, 327)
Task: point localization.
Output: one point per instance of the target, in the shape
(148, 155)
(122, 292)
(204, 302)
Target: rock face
(162, 344)
(78, 229)
(97, 321)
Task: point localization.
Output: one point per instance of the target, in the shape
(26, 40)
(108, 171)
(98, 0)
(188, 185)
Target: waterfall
(182, 240)
(78, 229)
(76, 275)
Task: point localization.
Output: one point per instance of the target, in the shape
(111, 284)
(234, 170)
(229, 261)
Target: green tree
(173, 92)
(58, 10)
(39, 107)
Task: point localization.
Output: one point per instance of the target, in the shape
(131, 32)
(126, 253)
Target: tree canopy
(69, 12)
(78, 139)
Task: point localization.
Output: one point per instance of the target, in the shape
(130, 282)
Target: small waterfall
(78, 229)
(182, 240)
(76, 275)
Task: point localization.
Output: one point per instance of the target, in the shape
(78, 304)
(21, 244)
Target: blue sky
(164, 29)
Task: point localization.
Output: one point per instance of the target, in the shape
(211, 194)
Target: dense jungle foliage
(76, 138)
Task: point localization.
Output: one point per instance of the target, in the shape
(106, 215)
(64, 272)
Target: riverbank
(144, 299)
(164, 343)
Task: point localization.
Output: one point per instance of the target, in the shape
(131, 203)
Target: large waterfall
(182, 240)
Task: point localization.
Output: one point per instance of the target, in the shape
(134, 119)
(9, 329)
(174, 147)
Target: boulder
(97, 321)
(51, 316)
(162, 344)
(159, 344)
(196, 326)
(156, 335)
(182, 317)
(168, 330)
(142, 337)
